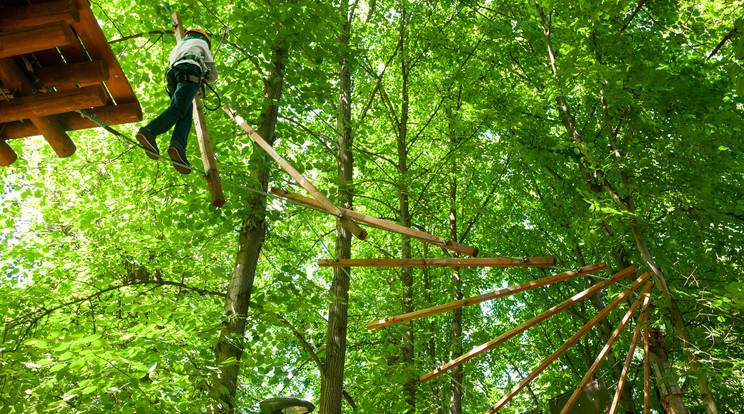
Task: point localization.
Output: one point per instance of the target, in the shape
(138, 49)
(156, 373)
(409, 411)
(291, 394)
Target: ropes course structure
(351, 220)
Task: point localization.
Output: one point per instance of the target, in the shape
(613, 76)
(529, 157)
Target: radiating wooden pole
(575, 338)
(606, 349)
(629, 358)
(526, 325)
(214, 184)
(383, 224)
(348, 223)
(498, 293)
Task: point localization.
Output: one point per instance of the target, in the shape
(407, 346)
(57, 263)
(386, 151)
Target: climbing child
(190, 63)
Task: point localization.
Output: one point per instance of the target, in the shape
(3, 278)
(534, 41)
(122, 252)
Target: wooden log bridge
(326, 204)
(54, 60)
(383, 224)
(441, 262)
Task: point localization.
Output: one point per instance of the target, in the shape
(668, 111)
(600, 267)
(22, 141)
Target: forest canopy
(587, 131)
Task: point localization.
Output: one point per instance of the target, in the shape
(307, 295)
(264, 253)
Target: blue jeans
(180, 111)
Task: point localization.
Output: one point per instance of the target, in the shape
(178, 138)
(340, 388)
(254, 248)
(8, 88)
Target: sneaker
(178, 154)
(147, 140)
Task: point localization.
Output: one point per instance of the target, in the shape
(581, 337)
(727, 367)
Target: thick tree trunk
(455, 404)
(409, 384)
(332, 378)
(230, 343)
(666, 383)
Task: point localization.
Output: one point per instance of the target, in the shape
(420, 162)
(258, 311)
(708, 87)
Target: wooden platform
(54, 59)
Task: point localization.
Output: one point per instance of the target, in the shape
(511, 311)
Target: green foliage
(114, 268)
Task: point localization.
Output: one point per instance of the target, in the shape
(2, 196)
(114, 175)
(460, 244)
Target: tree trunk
(409, 384)
(666, 382)
(332, 377)
(252, 232)
(455, 404)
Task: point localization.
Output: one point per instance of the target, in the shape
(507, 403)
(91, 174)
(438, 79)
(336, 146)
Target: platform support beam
(18, 17)
(52, 103)
(73, 74)
(7, 155)
(13, 78)
(34, 39)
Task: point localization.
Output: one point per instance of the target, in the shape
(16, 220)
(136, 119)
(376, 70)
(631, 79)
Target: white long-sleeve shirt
(200, 49)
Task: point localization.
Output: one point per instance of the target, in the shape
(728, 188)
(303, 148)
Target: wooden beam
(350, 225)
(19, 17)
(12, 77)
(629, 358)
(498, 293)
(575, 338)
(441, 262)
(606, 349)
(71, 75)
(7, 155)
(34, 39)
(526, 325)
(98, 48)
(376, 222)
(43, 104)
(72, 121)
(214, 184)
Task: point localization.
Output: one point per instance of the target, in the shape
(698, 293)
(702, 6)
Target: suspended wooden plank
(19, 17)
(575, 338)
(51, 103)
(383, 224)
(498, 293)
(629, 359)
(214, 184)
(606, 349)
(441, 262)
(349, 224)
(7, 155)
(48, 126)
(73, 74)
(33, 39)
(72, 121)
(529, 324)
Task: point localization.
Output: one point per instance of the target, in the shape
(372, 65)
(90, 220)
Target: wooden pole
(526, 325)
(214, 184)
(441, 262)
(34, 39)
(7, 155)
(13, 78)
(349, 224)
(70, 75)
(498, 293)
(629, 358)
(560, 351)
(606, 349)
(72, 121)
(383, 224)
(19, 17)
(52, 103)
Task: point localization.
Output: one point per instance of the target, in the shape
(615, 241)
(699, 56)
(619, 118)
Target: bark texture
(230, 344)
